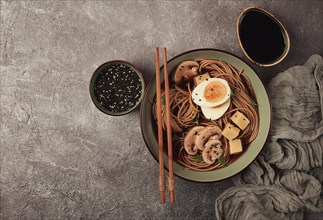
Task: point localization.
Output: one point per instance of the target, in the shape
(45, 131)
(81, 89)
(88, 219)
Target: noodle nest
(185, 114)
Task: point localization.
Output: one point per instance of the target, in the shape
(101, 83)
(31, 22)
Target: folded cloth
(287, 176)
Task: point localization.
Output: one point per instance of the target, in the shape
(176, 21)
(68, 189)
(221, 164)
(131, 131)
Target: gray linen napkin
(287, 176)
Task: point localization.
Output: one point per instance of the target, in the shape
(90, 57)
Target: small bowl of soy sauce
(117, 87)
(262, 37)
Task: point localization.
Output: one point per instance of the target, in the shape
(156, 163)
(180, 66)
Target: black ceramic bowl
(117, 87)
(262, 37)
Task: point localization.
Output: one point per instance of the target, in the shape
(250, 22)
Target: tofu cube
(200, 78)
(230, 131)
(240, 120)
(235, 146)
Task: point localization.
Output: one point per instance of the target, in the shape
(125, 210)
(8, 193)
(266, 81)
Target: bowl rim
(270, 114)
(283, 29)
(95, 75)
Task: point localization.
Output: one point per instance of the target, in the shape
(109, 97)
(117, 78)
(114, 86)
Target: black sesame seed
(200, 100)
(112, 88)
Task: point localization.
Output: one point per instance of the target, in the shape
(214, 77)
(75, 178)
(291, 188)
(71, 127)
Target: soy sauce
(261, 37)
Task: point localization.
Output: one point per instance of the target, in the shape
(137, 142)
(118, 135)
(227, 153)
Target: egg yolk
(215, 92)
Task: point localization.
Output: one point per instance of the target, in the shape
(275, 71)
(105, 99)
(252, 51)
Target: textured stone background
(61, 158)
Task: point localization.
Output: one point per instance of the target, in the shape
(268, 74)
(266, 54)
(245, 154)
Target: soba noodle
(186, 114)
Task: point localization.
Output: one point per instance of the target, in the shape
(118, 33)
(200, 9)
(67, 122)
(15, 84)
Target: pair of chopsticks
(161, 179)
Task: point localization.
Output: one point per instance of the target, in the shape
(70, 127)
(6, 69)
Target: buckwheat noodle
(186, 114)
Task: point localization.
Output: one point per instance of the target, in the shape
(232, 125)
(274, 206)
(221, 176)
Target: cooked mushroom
(189, 140)
(215, 137)
(203, 136)
(212, 151)
(186, 71)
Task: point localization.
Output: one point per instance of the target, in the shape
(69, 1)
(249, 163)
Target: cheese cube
(230, 131)
(240, 120)
(200, 78)
(235, 146)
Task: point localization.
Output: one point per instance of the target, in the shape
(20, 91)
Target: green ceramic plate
(148, 124)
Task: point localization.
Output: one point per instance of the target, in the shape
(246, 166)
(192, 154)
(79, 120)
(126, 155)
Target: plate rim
(262, 84)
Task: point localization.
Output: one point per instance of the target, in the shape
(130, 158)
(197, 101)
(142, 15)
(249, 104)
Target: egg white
(214, 113)
(198, 93)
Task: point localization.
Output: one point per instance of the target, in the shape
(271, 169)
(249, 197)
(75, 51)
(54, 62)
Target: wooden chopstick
(161, 177)
(171, 182)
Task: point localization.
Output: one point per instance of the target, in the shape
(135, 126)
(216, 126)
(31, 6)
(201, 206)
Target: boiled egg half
(213, 95)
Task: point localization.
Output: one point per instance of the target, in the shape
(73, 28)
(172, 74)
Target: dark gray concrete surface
(61, 158)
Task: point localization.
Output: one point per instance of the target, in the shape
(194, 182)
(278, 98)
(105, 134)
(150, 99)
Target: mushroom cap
(215, 137)
(189, 140)
(186, 71)
(212, 151)
(204, 135)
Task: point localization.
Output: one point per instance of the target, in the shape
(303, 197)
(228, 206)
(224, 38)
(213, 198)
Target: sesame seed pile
(118, 88)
